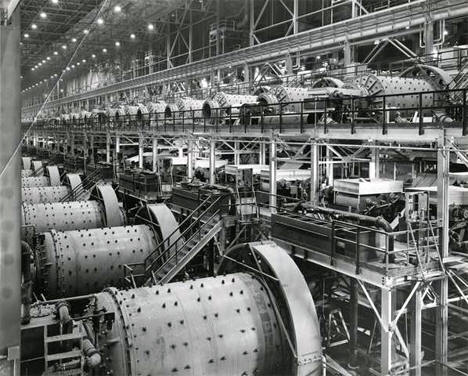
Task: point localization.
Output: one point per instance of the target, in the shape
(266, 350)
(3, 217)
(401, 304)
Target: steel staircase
(173, 254)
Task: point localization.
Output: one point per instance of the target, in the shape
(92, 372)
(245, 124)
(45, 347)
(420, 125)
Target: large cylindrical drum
(35, 195)
(71, 263)
(223, 325)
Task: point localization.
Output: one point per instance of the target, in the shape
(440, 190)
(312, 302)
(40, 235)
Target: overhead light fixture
(117, 44)
(55, 53)
(43, 15)
(54, 1)
(86, 31)
(117, 9)
(33, 69)
(73, 40)
(43, 61)
(132, 36)
(68, 68)
(48, 57)
(446, 32)
(93, 56)
(33, 26)
(73, 66)
(64, 46)
(39, 63)
(84, 60)
(104, 50)
(78, 63)
(150, 27)
(26, 35)
(100, 21)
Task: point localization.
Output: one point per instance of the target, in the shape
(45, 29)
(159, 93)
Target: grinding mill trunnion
(237, 323)
(103, 210)
(79, 262)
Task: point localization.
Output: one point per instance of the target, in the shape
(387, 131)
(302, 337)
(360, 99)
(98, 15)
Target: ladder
(173, 254)
(69, 362)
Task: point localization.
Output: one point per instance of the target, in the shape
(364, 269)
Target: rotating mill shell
(211, 326)
(73, 215)
(36, 195)
(383, 85)
(223, 103)
(50, 178)
(71, 263)
(49, 194)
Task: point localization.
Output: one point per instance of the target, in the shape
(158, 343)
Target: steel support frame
(272, 175)
(443, 171)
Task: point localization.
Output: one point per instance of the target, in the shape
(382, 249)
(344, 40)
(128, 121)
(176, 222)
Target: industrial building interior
(234, 187)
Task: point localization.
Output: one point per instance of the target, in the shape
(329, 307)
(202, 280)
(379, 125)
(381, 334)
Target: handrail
(80, 188)
(176, 241)
(168, 237)
(175, 254)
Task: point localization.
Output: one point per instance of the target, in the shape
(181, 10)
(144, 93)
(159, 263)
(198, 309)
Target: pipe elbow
(93, 358)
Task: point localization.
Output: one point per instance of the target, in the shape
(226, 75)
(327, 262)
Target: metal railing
(419, 110)
(87, 183)
(170, 245)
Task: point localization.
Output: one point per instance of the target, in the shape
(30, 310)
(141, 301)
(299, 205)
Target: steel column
(273, 166)
(262, 154)
(190, 160)
(155, 154)
(117, 144)
(140, 151)
(386, 348)
(212, 162)
(443, 169)
(415, 333)
(10, 193)
(314, 171)
(374, 164)
(108, 148)
(236, 153)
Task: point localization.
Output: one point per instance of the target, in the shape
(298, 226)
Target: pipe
(63, 312)
(379, 222)
(93, 358)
